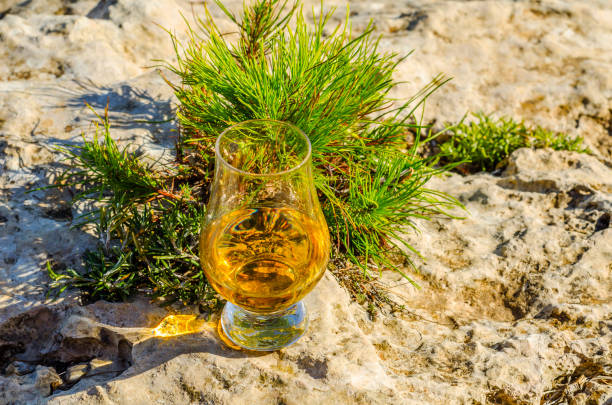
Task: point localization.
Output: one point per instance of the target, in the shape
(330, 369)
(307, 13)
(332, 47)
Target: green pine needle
(332, 84)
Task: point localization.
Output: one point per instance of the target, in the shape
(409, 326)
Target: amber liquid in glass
(264, 259)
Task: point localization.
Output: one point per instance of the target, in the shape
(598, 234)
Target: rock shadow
(128, 107)
(49, 338)
(84, 352)
(131, 106)
(36, 228)
(102, 10)
(9, 9)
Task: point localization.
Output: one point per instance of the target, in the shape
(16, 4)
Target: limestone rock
(514, 295)
(87, 47)
(46, 380)
(530, 60)
(515, 304)
(19, 368)
(76, 372)
(335, 350)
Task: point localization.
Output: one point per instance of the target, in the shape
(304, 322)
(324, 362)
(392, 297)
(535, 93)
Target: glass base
(264, 332)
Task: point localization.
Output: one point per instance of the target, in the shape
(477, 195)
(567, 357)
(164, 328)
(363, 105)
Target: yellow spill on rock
(175, 325)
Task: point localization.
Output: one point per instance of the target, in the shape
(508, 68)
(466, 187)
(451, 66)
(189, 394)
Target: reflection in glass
(264, 242)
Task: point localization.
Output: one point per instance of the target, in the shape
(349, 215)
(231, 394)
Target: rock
(515, 304)
(46, 46)
(19, 368)
(542, 171)
(334, 350)
(82, 339)
(524, 59)
(14, 391)
(75, 373)
(27, 335)
(514, 295)
(528, 60)
(46, 380)
(99, 366)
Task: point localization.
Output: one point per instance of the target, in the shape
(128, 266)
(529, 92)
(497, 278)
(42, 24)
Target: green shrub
(331, 84)
(486, 143)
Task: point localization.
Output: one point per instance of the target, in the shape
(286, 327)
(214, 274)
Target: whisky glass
(264, 243)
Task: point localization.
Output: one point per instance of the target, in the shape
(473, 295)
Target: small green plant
(487, 142)
(331, 84)
(147, 230)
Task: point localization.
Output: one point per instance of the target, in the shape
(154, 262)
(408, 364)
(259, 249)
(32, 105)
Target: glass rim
(250, 174)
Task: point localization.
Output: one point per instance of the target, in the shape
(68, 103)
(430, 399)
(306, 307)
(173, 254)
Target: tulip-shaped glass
(264, 242)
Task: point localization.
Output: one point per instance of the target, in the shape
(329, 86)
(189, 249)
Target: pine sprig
(333, 85)
(100, 166)
(147, 222)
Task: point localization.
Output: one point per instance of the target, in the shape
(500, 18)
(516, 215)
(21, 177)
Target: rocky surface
(516, 300)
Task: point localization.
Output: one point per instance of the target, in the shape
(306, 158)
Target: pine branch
(334, 86)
